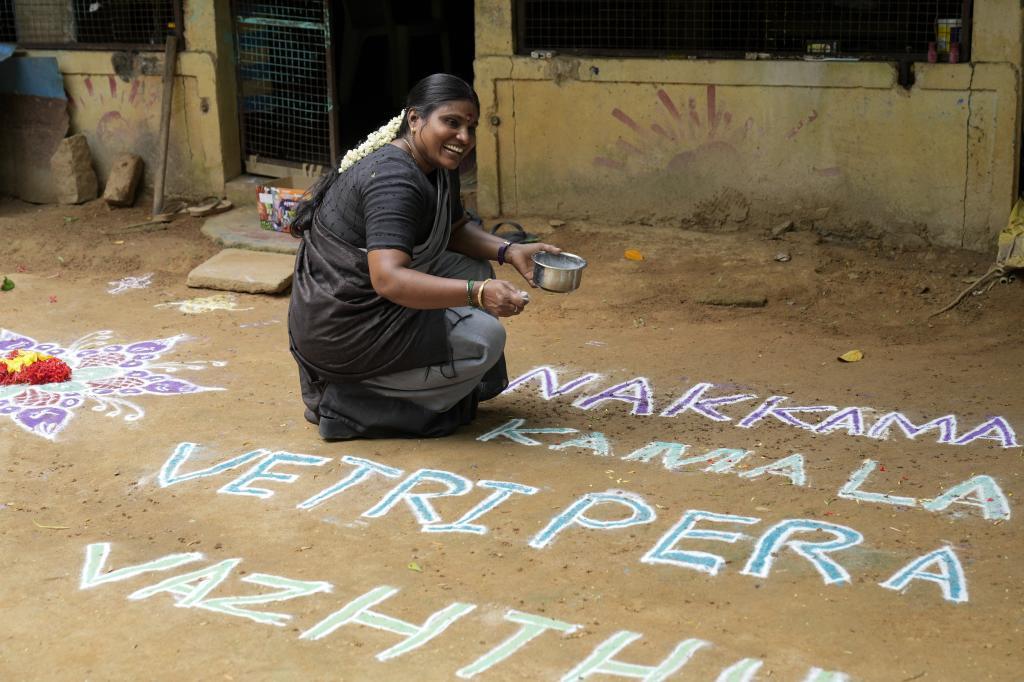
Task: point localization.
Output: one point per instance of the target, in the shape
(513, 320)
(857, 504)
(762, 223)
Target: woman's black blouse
(340, 329)
(385, 202)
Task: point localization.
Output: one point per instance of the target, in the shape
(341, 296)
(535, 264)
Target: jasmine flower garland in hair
(374, 141)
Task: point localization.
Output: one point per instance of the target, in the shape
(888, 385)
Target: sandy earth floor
(529, 555)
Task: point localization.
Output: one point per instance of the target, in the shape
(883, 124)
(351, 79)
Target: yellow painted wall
(711, 143)
(118, 107)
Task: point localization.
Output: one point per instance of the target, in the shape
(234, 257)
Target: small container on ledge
(954, 53)
(933, 53)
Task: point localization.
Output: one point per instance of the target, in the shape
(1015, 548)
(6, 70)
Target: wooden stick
(170, 58)
(148, 226)
(989, 278)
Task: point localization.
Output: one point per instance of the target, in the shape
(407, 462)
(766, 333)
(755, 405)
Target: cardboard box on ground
(276, 201)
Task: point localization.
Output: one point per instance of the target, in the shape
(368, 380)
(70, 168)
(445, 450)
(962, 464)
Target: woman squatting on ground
(394, 310)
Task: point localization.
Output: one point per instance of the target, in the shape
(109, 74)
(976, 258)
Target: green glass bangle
(469, 293)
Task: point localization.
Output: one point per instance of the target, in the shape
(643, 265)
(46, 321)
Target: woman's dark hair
(426, 96)
(432, 92)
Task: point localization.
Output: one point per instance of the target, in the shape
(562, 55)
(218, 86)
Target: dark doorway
(383, 47)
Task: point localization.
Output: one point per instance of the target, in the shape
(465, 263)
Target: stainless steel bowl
(558, 272)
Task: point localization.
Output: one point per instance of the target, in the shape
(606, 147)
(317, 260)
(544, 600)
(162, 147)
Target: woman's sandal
(517, 236)
(210, 207)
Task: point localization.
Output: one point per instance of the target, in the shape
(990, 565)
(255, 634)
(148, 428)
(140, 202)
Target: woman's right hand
(503, 299)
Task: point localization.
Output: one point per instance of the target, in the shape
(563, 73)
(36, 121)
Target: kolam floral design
(107, 377)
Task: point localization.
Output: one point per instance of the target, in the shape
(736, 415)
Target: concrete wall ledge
(760, 73)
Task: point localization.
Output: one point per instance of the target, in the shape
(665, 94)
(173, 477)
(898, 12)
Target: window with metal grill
(90, 24)
(284, 77)
(860, 29)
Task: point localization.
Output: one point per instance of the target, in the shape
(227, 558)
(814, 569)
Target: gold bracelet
(480, 294)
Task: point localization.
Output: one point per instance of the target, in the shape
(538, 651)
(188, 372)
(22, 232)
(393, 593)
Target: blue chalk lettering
(641, 512)
(980, 491)
(670, 453)
(791, 467)
(946, 426)
(849, 419)
(784, 414)
(722, 460)
(601, 660)
(995, 428)
(778, 536)
(262, 471)
(663, 552)
(364, 467)
(693, 400)
(169, 471)
(851, 490)
(636, 392)
(423, 511)
(96, 556)
(503, 491)
(949, 575)
(596, 442)
(511, 430)
(549, 386)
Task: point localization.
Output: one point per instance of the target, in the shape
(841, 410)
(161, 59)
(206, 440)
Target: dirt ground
(895, 580)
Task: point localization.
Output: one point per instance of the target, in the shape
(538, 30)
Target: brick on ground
(248, 272)
(735, 299)
(123, 180)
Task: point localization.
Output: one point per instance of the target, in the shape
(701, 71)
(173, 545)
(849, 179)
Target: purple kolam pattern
(105, 376)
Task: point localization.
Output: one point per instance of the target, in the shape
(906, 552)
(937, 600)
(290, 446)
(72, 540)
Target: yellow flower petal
(23, 359)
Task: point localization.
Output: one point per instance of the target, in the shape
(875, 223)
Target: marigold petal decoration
(852, 356)
(633, 254)
(32, 367)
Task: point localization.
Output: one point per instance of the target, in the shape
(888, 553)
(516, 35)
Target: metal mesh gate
(285, 82)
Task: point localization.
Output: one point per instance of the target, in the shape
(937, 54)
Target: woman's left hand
(521, 257)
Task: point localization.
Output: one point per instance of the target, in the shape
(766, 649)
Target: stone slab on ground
(73, 176)
(240, 228)
(248, 272)
(243, 189)
(123, 180)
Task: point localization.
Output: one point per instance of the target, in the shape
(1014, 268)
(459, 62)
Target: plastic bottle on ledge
(954, 53)
(933, 53)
